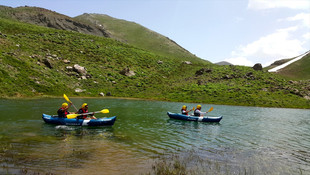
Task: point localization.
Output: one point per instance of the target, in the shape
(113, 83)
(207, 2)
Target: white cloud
(269, 48)
(239, 61)
(307, 36)
(303, 17)
(269, 4)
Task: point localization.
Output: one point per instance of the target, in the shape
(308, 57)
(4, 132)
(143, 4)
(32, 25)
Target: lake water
(248, 140)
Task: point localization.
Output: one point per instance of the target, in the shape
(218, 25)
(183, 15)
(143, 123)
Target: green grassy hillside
(38, 61)
(299, 70)
(139, 36)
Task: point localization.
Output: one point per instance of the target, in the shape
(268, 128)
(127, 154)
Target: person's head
(184, 107)
(84, 105)
(198, 106)
(64, 105)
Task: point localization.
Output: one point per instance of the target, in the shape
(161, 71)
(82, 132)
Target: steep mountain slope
(137, 35)
(299, 69)
(124, 31)
(40, 61)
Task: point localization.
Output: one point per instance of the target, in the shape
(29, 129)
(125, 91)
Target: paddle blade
(211, 109)
(67, 98)
(105, 111)
(71, 116)
(193, 108)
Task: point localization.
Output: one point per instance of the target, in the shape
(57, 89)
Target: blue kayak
(194, 118)
(54, 119)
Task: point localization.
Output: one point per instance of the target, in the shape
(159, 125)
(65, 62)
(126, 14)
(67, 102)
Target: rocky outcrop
(47, 18)
(202, 71)
(258, 67)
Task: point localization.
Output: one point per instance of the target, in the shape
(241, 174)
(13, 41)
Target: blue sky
(243, 32)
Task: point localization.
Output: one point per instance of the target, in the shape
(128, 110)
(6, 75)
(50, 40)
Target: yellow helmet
(84, 104)
(183, 107)
(198, 106)
(64, 105)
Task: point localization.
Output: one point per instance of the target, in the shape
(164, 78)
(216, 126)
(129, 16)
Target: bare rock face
(257, 66)
(48, 18)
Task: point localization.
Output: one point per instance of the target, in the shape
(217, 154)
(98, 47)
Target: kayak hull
(194, 118)
(78, 122)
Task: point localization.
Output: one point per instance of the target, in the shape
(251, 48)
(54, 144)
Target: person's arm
(69, 106)
(202, 113)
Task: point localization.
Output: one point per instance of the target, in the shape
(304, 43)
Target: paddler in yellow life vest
(84, 109)
(198, 112)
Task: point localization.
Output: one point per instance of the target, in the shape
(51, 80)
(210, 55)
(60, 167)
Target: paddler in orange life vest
(84, 109)
(63, 111)
(184, 110)
(198, 112)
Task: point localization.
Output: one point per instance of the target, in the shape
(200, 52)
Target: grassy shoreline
(131, 98)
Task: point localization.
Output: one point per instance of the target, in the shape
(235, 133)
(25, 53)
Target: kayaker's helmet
(84, 104)
(198, 106)
(64, 105)
(183, 107)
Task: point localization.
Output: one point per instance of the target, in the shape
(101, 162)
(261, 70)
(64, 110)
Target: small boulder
(48, 63)
(127, 72)
(202, 71)
(79, 90)
(69, 68)
(187, 62)
(258, 67)
(66, 61)
(79, 69)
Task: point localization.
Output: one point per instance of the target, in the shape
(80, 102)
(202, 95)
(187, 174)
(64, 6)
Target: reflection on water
(265, 140)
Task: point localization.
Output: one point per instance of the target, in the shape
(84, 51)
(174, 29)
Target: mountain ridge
(293, 68)
(51, 19)
(137, 35)
(41, 61)
(48, 18)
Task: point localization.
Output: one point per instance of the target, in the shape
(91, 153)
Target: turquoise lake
(254, 140)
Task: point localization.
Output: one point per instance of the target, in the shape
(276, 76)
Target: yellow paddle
(211, 109)
(71, 116)
(69, 101)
